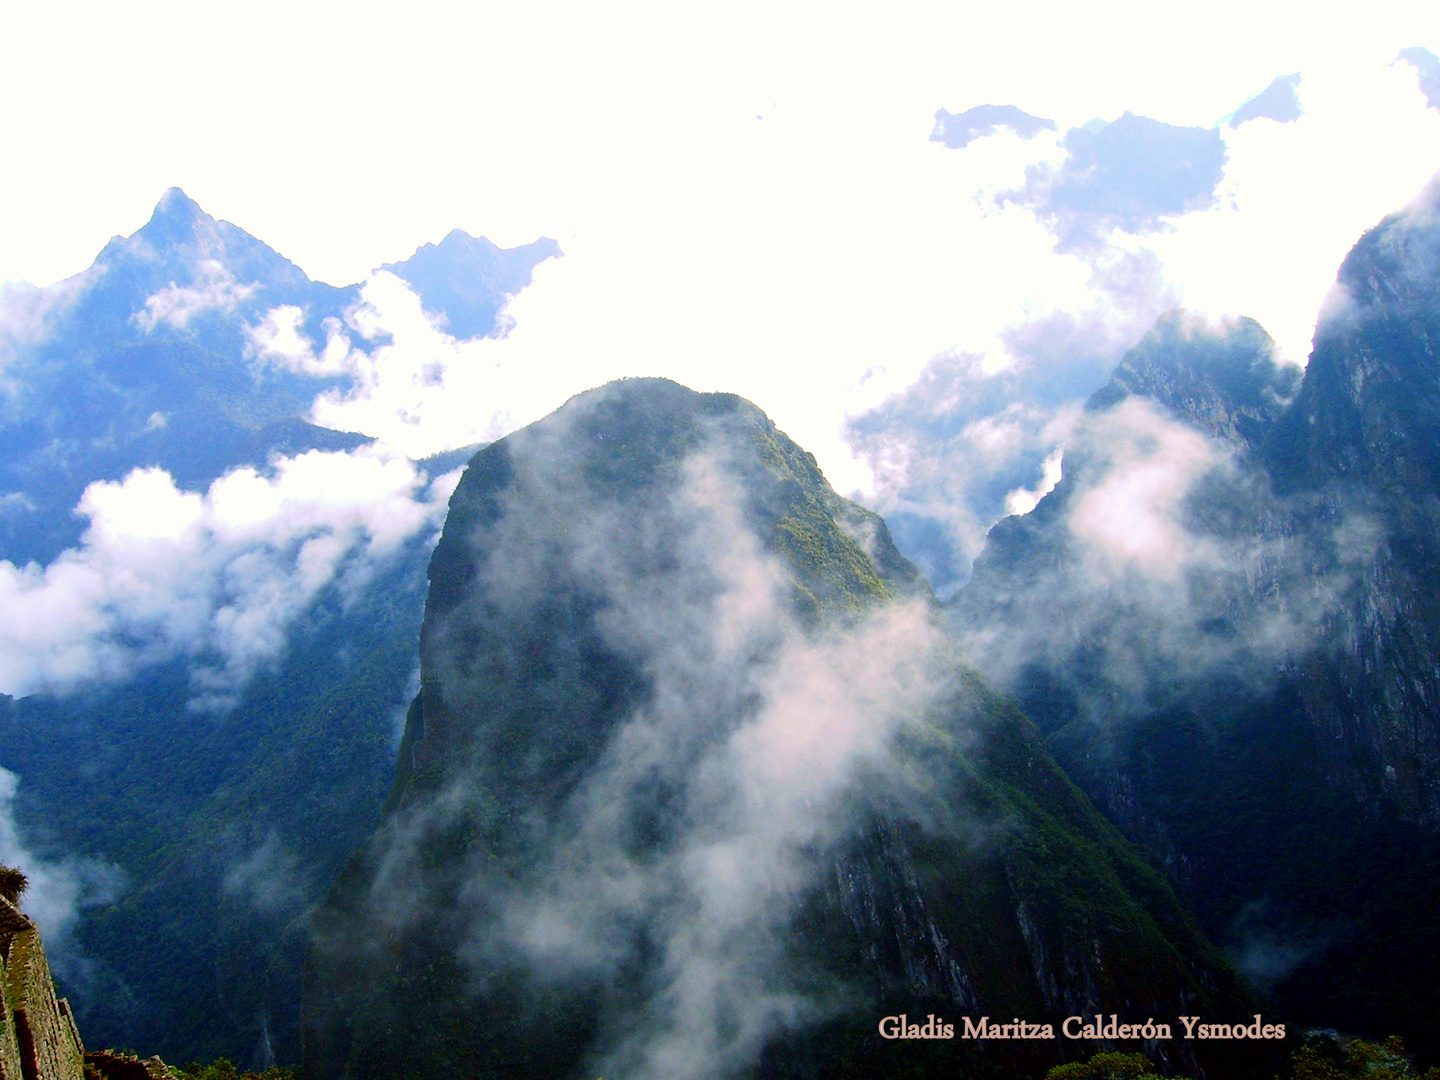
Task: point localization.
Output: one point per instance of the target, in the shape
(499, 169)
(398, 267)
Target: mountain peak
(1370, 406)
(1394, 266)
(466, 280)
(632, 600)
(176, 218)
(175, 202)
(1221, 376)
(178, 224)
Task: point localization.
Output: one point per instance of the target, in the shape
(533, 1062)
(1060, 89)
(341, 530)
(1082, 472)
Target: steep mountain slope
(695, 786)
(1224, 617)
(1364, 438)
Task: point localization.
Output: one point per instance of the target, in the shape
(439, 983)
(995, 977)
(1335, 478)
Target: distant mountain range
(154, 357)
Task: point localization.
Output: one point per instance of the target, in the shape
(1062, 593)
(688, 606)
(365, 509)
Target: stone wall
(38, 1039)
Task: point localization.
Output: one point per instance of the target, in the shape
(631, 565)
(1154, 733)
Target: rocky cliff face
(1364, 438)
(696, 785)
(1224, 619)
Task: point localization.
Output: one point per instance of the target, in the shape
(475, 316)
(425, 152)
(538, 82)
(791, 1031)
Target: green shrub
(1109, 1065)
(222, 1069)
(1354, 1059)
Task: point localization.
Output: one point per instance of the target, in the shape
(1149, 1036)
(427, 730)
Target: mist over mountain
(695, 781)
(1223, 619)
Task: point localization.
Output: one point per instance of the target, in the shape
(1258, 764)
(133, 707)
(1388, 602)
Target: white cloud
(58, 888)
(415, 387)
(218, 576)
(1297, 196)
(1023, 500)
(27, 315)
(214, 290)
(279, 338)
(820, 282)
(813, 259)
(1143, 466)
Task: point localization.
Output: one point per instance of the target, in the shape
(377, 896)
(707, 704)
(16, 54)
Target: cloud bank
(410, 383)
(217, 577)
(1145, 214)
(1160, 563)
(175, 305)
(951, 454)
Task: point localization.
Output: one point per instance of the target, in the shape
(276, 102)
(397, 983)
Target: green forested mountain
(221, 827)
(695, 785)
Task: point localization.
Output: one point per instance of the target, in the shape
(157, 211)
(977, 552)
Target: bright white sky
(783, 258)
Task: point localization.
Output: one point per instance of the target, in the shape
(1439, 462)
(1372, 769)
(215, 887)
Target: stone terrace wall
(38, 1039)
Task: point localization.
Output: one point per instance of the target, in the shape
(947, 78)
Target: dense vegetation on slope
(222, 829)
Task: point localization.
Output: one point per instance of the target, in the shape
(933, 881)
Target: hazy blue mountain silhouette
(146, 359)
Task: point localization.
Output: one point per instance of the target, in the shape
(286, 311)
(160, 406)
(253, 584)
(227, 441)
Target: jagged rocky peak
(695, 780)
(1394, 266)
(1221, 376)
(177, 219)
(184, 243)
(178, 225)
(1370, 407)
